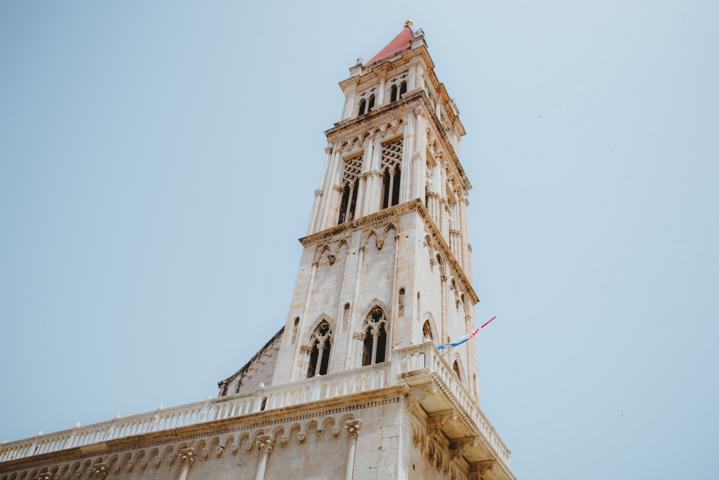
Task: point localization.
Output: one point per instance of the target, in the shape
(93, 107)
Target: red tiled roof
(398, 43)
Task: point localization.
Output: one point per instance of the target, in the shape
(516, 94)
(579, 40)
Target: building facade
(352, 386)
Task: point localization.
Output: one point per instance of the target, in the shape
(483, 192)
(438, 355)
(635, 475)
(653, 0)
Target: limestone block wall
(394, 263)
(305, 444)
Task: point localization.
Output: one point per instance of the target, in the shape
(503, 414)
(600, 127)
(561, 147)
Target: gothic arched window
(320, 349)
(394, 94)
(294, 329)
(375, 340)
(456, 369)
(350, 187)
(363, 107)
(370, 103)
(402, 89)
(427, 331)
(391, 173)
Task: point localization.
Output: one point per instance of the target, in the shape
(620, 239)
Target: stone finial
(408, 23)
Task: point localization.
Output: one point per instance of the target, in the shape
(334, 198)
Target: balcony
(415, 366)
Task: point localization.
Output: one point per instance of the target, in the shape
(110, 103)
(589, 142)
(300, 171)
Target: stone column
(365, 186)
(380, 93)
(407, 152)
(350, 347)
(443, 313)
(419, 156)
(187, 458)
(374, 178)
(347, 111)
(464, 226)
(265, 444)
(296, 370)
(331, 192)
(352, 427)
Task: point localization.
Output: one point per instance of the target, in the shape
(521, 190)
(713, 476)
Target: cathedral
(353, 385)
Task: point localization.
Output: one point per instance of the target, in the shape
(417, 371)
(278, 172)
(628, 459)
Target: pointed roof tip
(402, 41)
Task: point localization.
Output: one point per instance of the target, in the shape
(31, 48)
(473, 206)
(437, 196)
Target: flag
(465, 338)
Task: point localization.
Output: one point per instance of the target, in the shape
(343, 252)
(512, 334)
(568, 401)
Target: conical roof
(398, 43)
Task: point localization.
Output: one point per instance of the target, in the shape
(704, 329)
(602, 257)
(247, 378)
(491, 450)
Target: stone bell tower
(352, 386)
(386, 262)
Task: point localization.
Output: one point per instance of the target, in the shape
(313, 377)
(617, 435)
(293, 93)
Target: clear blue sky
(158, 162)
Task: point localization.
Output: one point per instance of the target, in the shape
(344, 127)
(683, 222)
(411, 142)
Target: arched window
(375, 340)
(294, 329)
(394, 94)
(400, 303)
(391, 173)
(402, 89)
(343, 204)
(350, 187)
(320, 349)
(396, 175)
(362, 106)
(427, 331)
(346, 317)
(455, 368)
(370, 103)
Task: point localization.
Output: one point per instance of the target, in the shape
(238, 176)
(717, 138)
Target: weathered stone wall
(307, 445)
(367, 267)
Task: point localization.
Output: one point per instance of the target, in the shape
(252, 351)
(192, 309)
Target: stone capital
(187, 455)
(265, 444)
(352, 427)
(100, 471)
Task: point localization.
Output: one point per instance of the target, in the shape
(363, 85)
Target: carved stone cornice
(417, 394)
(457, 446)
(478, 469)
(412, 100)
(383, 215)
(437, 420)
(177, 437)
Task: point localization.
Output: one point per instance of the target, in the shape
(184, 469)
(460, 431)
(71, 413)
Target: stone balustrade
(426, 357)
(423, 357)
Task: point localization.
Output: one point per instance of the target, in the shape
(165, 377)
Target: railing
(423, 357)
(313, 389)
(427, 357)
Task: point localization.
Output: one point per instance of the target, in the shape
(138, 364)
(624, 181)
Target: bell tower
(386, 261)
(352, 386)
